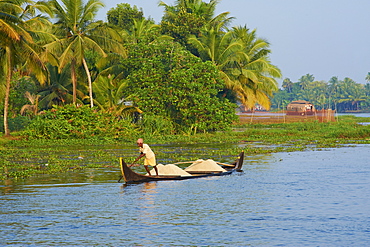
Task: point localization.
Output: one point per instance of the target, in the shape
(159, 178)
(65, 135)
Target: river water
(310, 198)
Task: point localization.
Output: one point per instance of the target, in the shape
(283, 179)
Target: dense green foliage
(340, 95)
(167, 81)
(15, 124)
(184, 75)
(177, 92)
(124, 16)
(240, 56)
(182, 25)
(18, 48)
(78, 122)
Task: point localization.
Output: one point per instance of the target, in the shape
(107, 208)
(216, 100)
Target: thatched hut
(300, 107)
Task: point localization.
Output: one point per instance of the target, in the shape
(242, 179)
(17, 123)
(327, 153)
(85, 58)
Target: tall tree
(195, 7)
(315, 92)
(242, 60)
(256, 74)
(367, 78)
(77, 32)
(188, 17)
(133, 26)
(287, 85)
(305, 80)
(17, 47)
(56, 91)
(124, 15)
(165, 80)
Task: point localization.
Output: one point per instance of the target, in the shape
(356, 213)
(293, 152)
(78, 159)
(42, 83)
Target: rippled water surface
(312, 198)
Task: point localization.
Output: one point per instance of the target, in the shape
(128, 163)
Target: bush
(170, 83)
(78, 122)
(157, 125)
(15, 124)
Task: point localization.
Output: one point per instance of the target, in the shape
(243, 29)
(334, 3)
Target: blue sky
(325, 38)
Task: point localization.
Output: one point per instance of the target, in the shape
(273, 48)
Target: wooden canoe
(130, 176)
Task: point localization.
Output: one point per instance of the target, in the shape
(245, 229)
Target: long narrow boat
(130, 176)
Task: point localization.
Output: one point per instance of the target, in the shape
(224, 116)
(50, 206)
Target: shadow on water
(72, 178)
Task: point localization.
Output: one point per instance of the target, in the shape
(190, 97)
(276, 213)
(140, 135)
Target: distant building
(257, 107)
(300, 107)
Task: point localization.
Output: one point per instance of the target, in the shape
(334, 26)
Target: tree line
(187, 71)
(341, 95)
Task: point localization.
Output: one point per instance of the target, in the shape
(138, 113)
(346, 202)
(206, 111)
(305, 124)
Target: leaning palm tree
(17, 47)
(77, 32)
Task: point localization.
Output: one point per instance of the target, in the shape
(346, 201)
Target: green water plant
(33, 157)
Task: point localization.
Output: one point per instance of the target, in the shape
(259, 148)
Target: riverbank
(22, 158)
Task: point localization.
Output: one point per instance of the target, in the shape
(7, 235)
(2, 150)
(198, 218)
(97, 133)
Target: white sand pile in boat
(205, 165)
(169, 169)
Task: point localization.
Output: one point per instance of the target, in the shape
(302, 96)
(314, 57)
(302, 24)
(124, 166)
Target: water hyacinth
(24, 158)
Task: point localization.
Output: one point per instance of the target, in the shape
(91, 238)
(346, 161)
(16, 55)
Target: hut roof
(300, 102)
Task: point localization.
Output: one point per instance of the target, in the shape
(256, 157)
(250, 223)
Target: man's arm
(140, 156)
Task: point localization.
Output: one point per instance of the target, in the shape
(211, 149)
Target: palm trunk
(7, 92)
(90, 83)
(36, 105)
(74, 81)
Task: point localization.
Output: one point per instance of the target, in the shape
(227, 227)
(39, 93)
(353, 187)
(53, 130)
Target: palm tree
(17, 47)
(350, 94)
(367, 89)
(242, 60)
(305, 80)
(287, 85)
(315, 92)
(109, 92)
(333, 91)
(77, 32)
(367, 78)
(257, 75)
(141, 29)
(33, 107)
(56, 91)
(356, 93)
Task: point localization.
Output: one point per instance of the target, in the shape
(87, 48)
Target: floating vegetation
(25, 158)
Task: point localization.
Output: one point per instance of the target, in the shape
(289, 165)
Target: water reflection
(8, 186)
(147, 203)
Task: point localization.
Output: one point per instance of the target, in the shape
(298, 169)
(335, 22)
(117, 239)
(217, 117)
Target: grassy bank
(20, 158)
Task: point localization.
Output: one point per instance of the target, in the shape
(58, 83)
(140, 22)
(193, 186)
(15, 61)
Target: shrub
(78, 122)
(170, 83)
(15, 124)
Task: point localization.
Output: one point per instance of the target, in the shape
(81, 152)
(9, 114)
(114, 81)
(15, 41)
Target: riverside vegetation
(88, 88)
(28, 155)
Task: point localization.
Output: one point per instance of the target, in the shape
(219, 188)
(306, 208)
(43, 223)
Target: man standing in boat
(146, 151)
